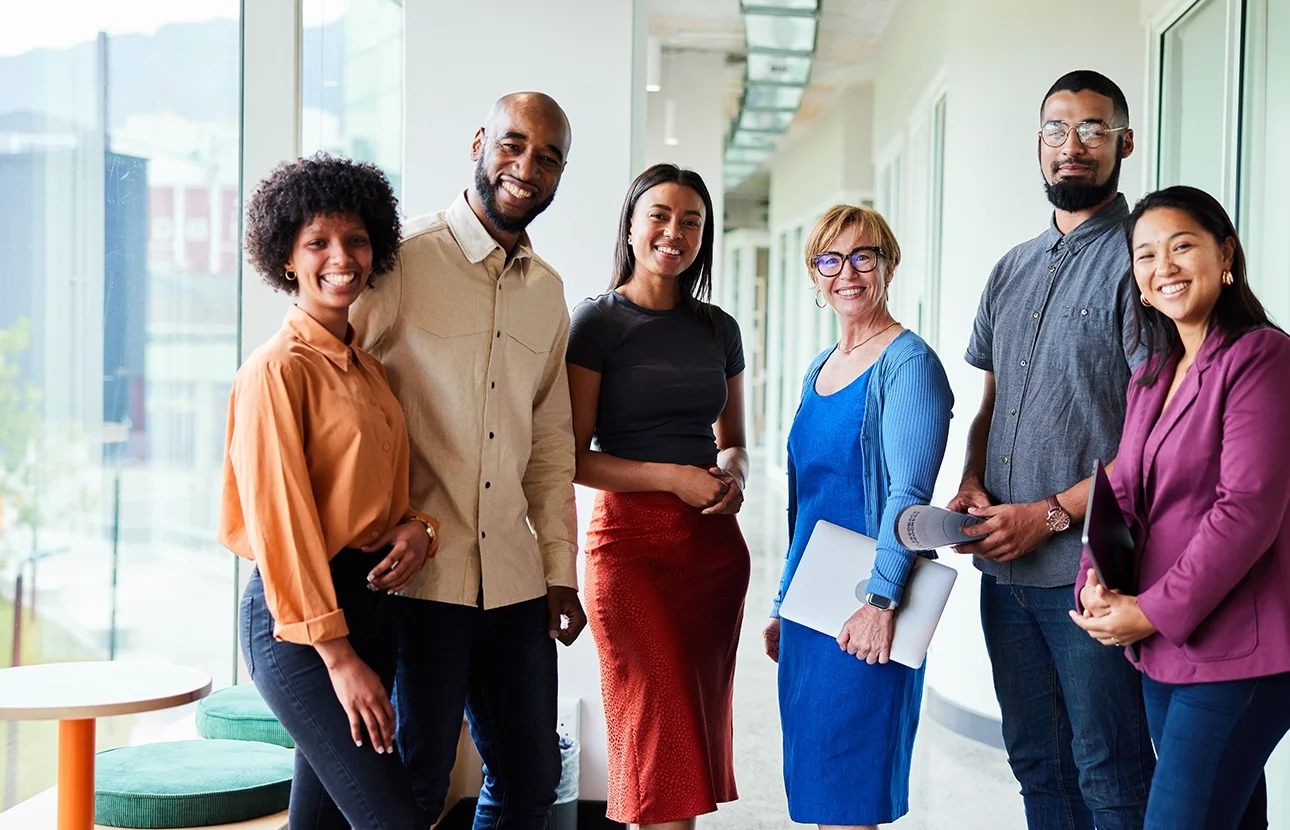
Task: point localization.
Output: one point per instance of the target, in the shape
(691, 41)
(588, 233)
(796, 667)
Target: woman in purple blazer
(1203, 480)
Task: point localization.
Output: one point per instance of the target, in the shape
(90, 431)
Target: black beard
(488, 197)
(1073, 196)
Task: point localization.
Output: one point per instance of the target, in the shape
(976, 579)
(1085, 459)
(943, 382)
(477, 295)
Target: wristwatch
(879, 601)
(1058, 519)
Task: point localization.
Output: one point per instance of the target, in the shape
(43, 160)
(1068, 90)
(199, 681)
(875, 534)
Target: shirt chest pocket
(1089, 337)
(448, 319)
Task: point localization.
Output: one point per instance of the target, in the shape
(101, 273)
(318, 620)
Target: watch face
(1059, 521)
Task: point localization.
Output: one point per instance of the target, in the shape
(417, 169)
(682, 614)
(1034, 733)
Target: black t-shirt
(663, 377)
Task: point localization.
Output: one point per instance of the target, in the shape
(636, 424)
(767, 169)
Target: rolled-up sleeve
(283, 529)
(548, 479)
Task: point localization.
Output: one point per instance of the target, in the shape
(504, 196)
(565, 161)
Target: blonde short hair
(838, 219)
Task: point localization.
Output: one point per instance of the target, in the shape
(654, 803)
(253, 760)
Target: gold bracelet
(430, 531)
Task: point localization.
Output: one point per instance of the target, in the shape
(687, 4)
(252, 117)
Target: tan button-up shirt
(474, 344)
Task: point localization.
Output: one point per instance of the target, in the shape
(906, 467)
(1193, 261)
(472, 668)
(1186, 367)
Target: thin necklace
(848, 352)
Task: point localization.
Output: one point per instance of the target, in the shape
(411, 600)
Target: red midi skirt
(665, 588)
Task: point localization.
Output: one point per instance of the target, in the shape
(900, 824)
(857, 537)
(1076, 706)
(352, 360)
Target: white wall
(460, 57)
(695, 83)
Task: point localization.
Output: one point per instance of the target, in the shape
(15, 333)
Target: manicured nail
(358, 743)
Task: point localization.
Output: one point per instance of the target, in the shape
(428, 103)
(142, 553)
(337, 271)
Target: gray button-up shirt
(1055, 326)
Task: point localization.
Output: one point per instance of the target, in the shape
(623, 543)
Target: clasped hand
(410, 547)
(1110, 617)
(867, 634)
(713, 490)
(1010, 530)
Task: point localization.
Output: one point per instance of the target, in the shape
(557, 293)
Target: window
(353, 81)
(119, 178)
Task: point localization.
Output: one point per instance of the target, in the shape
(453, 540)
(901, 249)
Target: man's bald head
(519, 157)
(535, 106)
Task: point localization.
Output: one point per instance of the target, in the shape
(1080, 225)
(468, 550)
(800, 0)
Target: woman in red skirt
(652, 368)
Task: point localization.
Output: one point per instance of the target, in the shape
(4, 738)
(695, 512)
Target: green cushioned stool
(238, 713)
(191, 783)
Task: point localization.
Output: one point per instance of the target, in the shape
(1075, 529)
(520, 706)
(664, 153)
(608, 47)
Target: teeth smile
(848, 293)
(1172, 288)
(517, 192)
(344, 278)
(663, 249)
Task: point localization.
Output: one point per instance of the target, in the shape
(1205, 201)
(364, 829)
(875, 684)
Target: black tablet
(1107, 539)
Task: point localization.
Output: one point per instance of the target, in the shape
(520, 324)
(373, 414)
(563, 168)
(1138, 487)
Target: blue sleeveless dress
(848, 726)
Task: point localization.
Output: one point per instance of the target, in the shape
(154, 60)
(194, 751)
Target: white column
(460, 58)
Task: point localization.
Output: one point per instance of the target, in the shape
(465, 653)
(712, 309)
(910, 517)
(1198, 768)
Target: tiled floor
(957, 783)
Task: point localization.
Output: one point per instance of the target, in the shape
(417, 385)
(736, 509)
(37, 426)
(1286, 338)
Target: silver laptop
(832, 579)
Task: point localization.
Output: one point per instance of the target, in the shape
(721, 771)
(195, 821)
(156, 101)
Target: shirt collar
(309, 331)
(475, 241)
(1113, 214)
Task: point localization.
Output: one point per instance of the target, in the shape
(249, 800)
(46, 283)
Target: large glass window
(352, 81)
(119, 206)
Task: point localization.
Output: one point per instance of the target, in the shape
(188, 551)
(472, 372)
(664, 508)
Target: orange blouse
(316, 460)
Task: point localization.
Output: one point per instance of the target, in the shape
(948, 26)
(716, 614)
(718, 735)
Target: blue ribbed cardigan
(906, 425)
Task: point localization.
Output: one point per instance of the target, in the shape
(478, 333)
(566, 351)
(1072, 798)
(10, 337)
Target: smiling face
(666, 231)
(332, 260)
(519, 158)
(1178, 265)
(852, 293)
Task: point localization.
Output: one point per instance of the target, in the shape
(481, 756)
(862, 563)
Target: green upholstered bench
(191, 783)
(238, 713)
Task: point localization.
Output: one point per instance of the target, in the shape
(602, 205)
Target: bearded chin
(488, 198)
(1074, 196)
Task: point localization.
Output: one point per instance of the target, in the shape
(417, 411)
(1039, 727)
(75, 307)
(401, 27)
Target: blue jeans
(1214, 739)
(499, 666)
(1073, 718)
(336, 784)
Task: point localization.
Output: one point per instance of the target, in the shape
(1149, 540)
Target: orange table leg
(76, 775)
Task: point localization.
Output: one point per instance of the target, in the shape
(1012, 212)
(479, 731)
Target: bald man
(471, 327)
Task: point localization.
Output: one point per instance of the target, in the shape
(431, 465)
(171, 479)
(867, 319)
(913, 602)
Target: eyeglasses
(1091, 133)
(863, 260)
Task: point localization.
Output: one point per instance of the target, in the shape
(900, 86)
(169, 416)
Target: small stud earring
(1228, 279)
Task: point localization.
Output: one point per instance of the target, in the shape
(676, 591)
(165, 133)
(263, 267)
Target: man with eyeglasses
(1054, 336)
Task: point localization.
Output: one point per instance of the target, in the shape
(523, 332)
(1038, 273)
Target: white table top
(75, 691)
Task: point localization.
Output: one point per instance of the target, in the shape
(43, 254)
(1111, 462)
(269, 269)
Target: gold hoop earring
(819, 297)
(1145, 302)
(1228, 279)
(291, 275)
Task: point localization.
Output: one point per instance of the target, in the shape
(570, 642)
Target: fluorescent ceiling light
(773, 97)
(750, 6)
(745, 139)
(653, 64)
(780, 32)
(778, 69)
(767, 122)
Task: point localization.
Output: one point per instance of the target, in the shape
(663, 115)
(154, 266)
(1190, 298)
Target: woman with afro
(316, 494)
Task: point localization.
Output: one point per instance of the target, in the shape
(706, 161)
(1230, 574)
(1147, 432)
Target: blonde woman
(867, 440)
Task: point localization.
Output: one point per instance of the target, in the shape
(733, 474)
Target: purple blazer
(1204, 486)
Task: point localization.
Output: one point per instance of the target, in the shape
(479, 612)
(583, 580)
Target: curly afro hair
(297, 191)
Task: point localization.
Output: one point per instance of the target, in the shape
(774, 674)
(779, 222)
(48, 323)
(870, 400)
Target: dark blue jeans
(1073, 718)
(499, 666)
(336, 784)
(1214, 739)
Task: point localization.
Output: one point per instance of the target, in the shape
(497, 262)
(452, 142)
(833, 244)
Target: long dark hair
(695, 281)
(1237, 310)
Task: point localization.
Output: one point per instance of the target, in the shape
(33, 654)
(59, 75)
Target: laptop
(1107, 539)
(832, 579)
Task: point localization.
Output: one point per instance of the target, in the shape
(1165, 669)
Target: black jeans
(500, 665)
(336, 784)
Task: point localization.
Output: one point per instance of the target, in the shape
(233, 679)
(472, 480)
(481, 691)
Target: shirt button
(499, 334)
(1012, 412)
(483, 535)
(490, 436)
(386, 447)
(1035, 315)
(1052, 270)
(492, 384)
(1083, 312)
(1005, 459)
(487, 484)
(1023, 364)
(375, 535)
